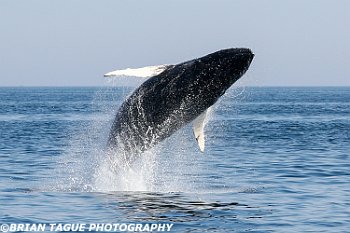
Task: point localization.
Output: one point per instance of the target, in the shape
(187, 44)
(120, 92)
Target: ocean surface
(276, 160)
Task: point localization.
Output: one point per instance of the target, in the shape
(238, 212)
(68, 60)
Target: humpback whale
(173, 96)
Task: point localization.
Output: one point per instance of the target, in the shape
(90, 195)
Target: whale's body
(176, 96)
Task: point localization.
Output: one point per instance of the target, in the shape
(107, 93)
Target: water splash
(115, 173)
(87, 165)
(174, 165)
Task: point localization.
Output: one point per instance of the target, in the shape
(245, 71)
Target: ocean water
(276, 160)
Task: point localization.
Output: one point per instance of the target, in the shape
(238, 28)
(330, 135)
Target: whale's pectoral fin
(144, 72)
(198, 129)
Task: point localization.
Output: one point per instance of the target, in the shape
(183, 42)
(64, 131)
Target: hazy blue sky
(65, 43)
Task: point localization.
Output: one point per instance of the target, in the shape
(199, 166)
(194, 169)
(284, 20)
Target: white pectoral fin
(198, 129)
(144, 72)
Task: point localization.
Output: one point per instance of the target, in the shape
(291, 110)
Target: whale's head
(225, 65)
(208, 78)
(221, 69)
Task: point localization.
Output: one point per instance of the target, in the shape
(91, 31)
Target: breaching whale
(173, 96)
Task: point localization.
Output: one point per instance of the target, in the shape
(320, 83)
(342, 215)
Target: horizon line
(95, 86)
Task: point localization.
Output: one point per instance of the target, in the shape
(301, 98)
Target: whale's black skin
(168, 101)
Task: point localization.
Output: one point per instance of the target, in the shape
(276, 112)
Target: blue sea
(277, 159)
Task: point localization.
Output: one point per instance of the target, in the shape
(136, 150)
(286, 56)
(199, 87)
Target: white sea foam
(88, 165)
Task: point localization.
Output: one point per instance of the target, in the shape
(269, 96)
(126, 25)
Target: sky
(73, 43)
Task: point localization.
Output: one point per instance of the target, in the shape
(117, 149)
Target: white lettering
(108, 227)
(96, 227)
(123, 227)
(138, 227)
(161, 227)
(92, 227)
(169, 226)
(41, 227)
(115, 226)
(13, 227)
(20, 227)
(52, 225)
(154, 226)
(99, 227)
(146, 227)
(131, 227)
(59, 227)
